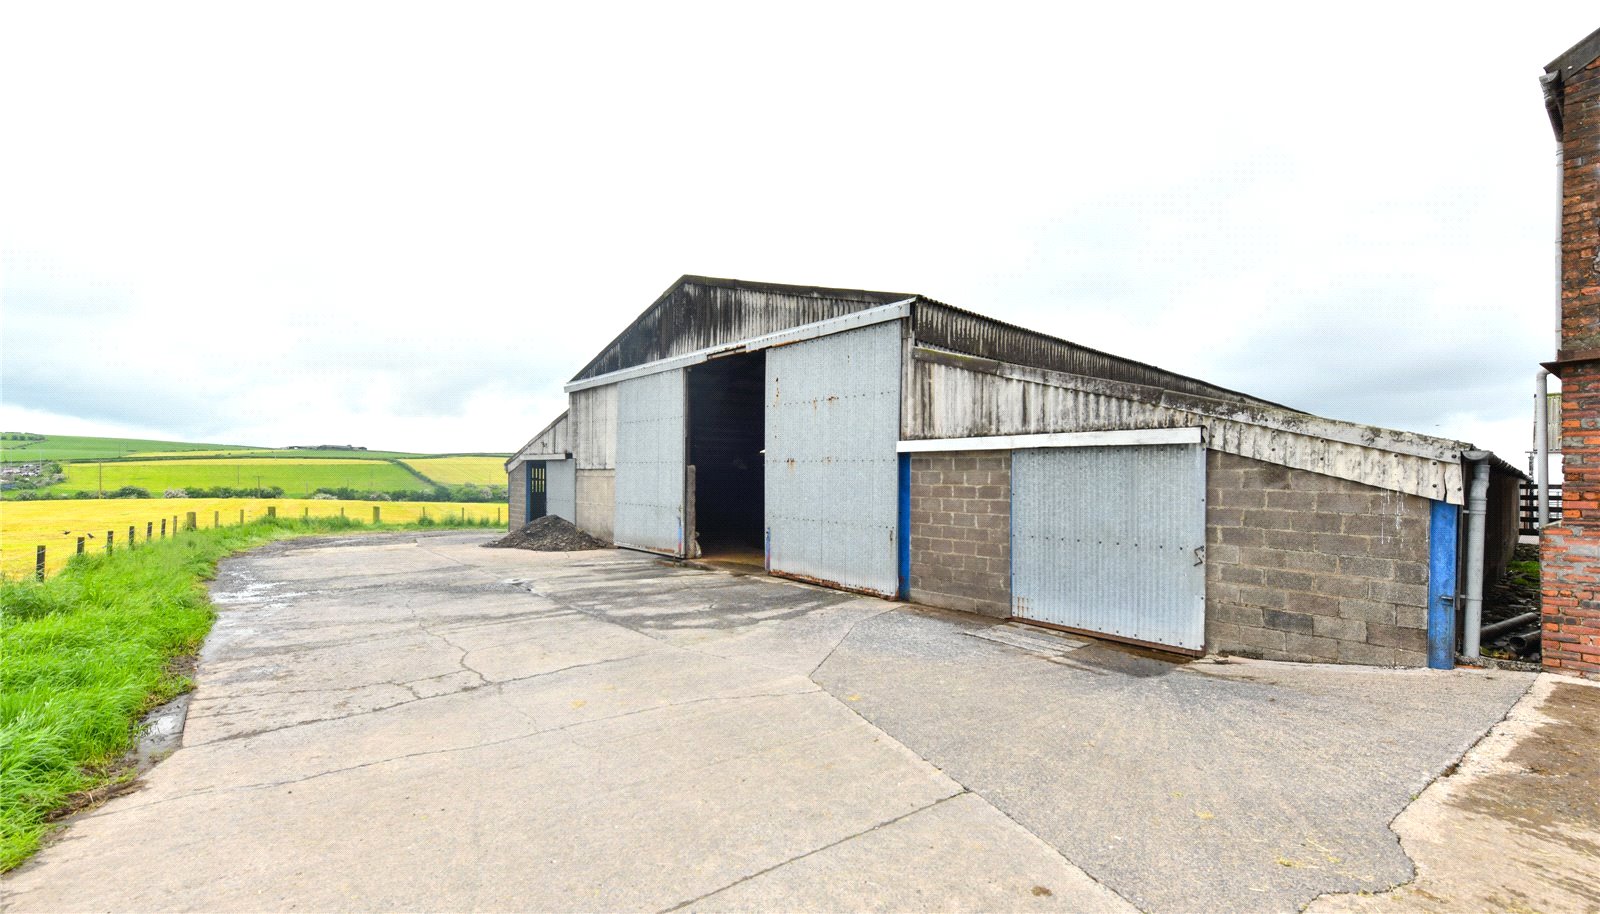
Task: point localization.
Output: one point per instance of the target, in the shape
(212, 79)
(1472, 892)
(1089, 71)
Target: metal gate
(832, 474)
(536, 490)
(1112, 540)
(650, 463)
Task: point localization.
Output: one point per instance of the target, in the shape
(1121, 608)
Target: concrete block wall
(597, 503)
(1302, 566)
(516, 495)
(961, 531)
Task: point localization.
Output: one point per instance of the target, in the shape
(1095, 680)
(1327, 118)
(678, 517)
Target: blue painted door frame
(1442, 538)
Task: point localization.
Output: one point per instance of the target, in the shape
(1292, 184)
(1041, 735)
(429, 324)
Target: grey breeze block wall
(961, 531)
(1302, 566)
(596, 503)
(516, 495)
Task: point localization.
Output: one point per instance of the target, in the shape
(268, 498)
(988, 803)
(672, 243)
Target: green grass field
(273, 453)
(77, 447)
(455, 471)
(88, 651)
(297, 477)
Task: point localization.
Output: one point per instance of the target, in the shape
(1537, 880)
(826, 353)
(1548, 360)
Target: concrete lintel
(1124, 437)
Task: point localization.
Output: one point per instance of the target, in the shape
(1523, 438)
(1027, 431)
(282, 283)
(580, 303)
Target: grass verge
(85, 653)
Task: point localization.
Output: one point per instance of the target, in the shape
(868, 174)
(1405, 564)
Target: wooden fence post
(110, 534)
(174, 525)
(38, 565)
(163, 528)
(305, 512)
(375, 514)
(149, 528)
(272, 511)
(191, 522)
(131, 529)
(241, 515)
(341, 510)
(216, 519)
(80, 545)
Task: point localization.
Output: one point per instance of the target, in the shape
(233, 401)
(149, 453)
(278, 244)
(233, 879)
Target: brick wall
(961, 531)
(1571, 550)
(1302, 566)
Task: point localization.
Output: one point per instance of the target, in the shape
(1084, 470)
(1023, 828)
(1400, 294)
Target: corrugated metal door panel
(650, 462)
(1112, 540)
(561, 486)
(832, 474)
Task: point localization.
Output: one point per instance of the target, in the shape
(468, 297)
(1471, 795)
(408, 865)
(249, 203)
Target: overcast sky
(405, 227)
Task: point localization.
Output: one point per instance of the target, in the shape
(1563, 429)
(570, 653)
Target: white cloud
(404, 226)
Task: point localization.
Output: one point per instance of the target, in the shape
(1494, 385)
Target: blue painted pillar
(903, 542)
(1442, 534)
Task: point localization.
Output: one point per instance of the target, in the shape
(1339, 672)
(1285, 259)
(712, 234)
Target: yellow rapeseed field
(455, 471)
(56, 525)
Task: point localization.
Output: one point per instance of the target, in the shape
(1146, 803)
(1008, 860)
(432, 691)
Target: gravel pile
(549, 534)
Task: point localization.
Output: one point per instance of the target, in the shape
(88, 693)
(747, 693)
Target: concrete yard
(413, 722)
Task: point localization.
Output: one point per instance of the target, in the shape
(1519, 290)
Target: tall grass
(85, 653)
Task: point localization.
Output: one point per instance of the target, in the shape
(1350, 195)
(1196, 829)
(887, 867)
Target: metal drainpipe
(1541, 446)
(1561, 195)
(1477, 515)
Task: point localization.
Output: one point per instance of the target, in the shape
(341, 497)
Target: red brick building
(1571, 549)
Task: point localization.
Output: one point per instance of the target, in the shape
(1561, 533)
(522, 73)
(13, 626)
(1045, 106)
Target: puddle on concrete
(162, 733)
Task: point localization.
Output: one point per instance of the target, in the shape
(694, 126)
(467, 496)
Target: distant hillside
(104, 465)
(26, 447)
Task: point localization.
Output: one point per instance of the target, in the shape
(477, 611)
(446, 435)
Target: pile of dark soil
(549, 534)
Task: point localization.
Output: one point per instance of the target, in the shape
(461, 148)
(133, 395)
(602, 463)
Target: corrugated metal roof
(957, 330)
(700, 312)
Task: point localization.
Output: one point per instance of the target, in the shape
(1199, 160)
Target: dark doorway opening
(727, 431)
(537, 505)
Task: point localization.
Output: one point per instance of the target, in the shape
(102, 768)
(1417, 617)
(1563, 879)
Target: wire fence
(108, 536)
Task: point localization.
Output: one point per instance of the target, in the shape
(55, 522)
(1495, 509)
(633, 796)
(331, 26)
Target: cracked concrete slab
(417, 723)
(905, 865)
(1250, 786)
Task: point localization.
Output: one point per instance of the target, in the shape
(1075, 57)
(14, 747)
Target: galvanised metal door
(832, 477)
(561, 488)
(650, 462)
(1112, 540)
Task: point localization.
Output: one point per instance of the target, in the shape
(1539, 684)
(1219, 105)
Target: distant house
(895, 445)
(1571, 549)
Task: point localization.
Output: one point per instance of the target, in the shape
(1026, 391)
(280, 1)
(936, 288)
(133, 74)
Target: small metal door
(1112, 540)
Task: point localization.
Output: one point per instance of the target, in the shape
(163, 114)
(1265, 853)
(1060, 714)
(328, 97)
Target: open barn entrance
(727, 432)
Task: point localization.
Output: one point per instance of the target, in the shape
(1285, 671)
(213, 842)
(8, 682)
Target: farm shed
(895, 445)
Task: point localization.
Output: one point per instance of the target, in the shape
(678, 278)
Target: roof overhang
(1557, 71)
